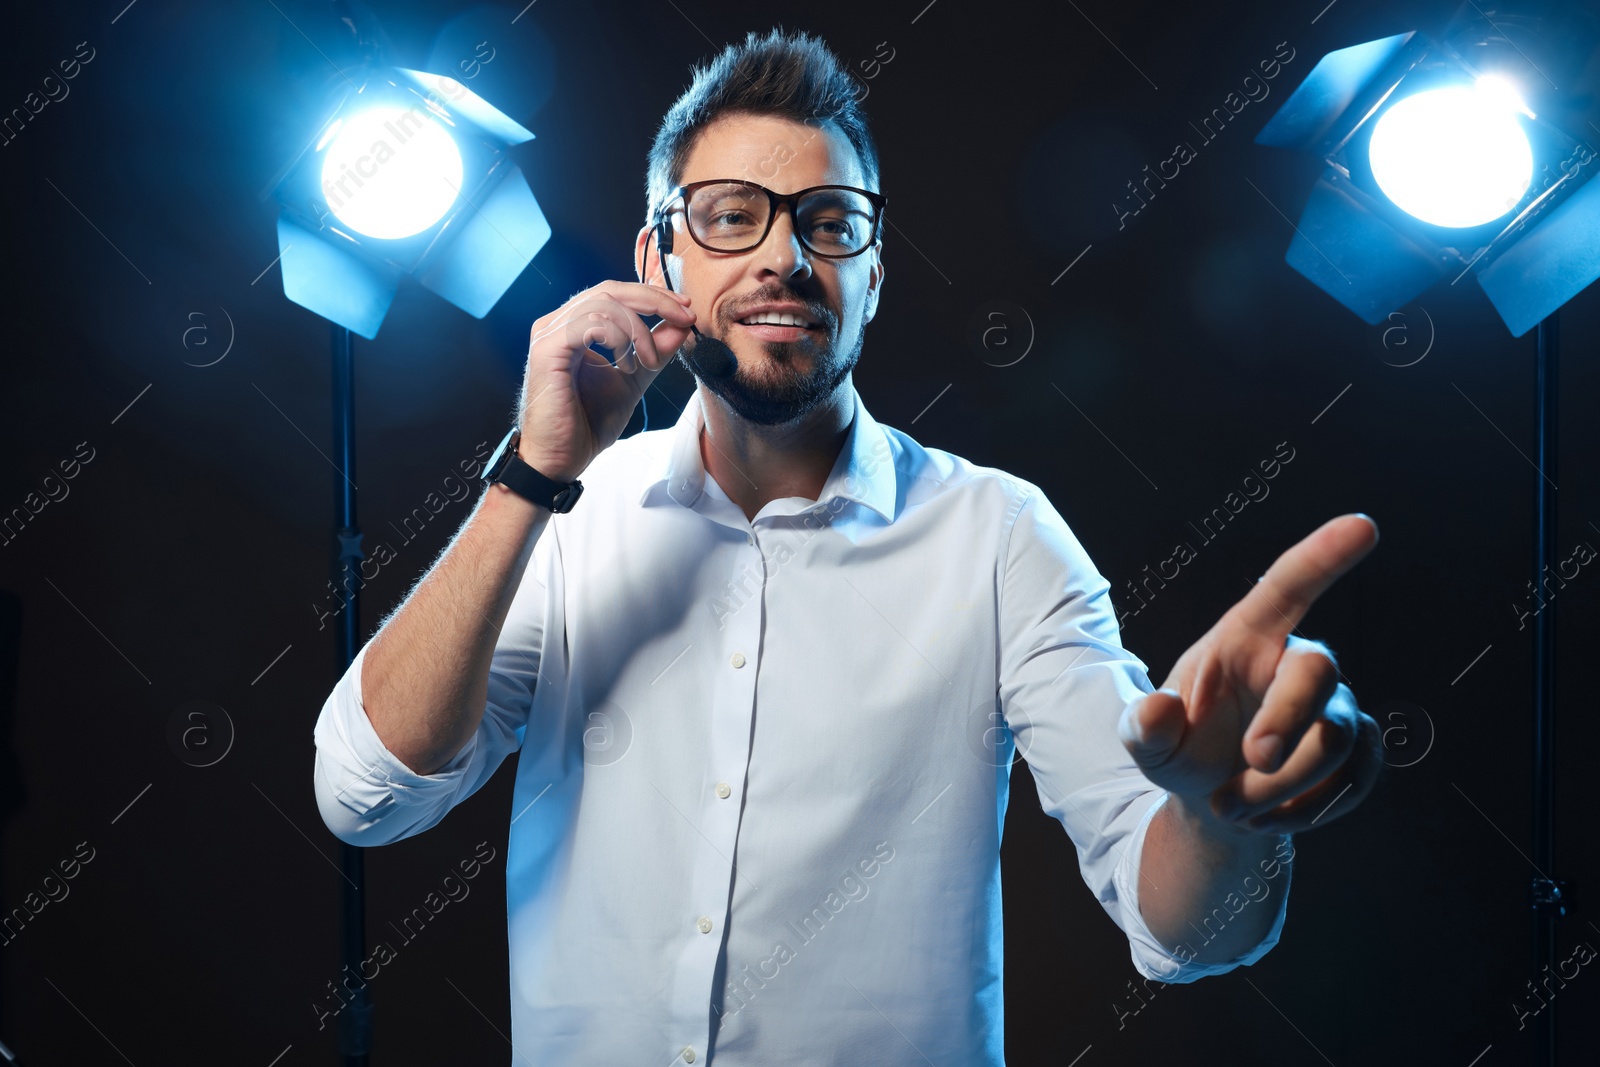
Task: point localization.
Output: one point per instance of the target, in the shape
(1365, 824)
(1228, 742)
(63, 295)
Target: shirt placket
(733, 663)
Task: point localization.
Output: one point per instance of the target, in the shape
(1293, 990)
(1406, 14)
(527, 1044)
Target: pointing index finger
(1286, 592)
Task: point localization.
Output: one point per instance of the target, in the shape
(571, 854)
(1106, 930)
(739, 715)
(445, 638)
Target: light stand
(1548, 896)
(355, 1028)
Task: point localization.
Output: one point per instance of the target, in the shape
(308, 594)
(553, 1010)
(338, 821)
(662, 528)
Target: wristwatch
(506, 467)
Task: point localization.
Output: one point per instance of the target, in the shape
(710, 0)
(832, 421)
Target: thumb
(1152, 727)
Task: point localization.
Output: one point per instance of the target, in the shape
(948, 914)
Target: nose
(782, 254)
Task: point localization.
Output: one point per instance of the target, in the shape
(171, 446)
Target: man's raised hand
(1252, 727)
(574, 402)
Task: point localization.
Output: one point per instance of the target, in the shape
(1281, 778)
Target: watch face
(502, 455)
(565, 498)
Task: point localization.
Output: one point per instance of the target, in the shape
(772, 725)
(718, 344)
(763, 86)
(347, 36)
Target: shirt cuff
(355, 769)
(1152, 959)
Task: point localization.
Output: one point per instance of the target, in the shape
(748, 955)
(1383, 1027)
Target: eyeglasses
(728, 215)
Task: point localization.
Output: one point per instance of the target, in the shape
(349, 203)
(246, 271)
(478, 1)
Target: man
(768, 674)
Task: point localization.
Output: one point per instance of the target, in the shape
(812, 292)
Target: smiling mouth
(778, 327)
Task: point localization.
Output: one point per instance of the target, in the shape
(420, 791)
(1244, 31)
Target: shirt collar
(864, 471)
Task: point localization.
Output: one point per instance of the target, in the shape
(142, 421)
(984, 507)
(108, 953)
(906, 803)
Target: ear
(874, 282)
(640, 244)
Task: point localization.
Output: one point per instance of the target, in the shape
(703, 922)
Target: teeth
(773, 318)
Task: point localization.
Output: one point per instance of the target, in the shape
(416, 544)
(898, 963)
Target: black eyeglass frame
(774, 201)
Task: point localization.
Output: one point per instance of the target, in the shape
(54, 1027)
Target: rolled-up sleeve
(367, 796)
(1064, 680)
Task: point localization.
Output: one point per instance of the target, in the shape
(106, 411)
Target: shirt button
(723, 791)
(738, 659)
(750, 538)
(688, 1055)
(704, 925)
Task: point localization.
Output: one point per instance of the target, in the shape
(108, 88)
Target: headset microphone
(708, 355)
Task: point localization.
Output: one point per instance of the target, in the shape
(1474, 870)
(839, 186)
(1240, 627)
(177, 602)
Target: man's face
(784, 371)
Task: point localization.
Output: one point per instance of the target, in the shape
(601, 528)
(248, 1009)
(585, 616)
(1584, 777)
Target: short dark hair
(794, 76)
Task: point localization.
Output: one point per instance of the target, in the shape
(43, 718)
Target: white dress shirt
(765, 766)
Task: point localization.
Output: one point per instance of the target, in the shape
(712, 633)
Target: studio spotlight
(1435, 163)
(408, 175)
(1435, 166)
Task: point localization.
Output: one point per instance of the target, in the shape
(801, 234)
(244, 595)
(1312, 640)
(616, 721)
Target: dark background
(192, 548)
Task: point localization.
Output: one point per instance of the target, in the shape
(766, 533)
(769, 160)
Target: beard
(793, 379)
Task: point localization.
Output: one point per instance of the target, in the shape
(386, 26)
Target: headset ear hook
(663, 249)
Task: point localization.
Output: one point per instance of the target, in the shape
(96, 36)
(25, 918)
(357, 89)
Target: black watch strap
(506, 467)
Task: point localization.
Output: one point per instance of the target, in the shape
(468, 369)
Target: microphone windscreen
(711, 358)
